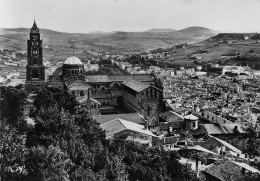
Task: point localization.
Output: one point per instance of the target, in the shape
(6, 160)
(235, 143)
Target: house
(119, 128)
(228, 170)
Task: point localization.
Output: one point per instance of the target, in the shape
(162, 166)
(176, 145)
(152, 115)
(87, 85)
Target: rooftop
(214, 129)
(117, 125)
(73, 61)
(136, 85)
(97, 78)
(132, 117)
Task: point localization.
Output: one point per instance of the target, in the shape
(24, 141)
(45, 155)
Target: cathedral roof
(73, 61)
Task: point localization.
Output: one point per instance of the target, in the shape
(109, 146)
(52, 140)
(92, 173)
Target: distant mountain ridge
(120, 40)
(189, 30)
(159, 30)
(26, 30)
(197, 31)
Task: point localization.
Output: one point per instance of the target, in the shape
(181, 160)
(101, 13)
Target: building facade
(35, 70)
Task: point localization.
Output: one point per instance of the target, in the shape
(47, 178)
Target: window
(207, 116)
(35, 74)
(103, 104)
(82, 93)
(193, 124)
(149, 110)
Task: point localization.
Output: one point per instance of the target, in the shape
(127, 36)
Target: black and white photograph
(129, 90)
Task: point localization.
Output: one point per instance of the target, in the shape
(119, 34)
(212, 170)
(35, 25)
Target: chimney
(146, 124)
(197, 167)
(243, 170)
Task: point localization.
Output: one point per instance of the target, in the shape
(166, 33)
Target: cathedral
(97, 94)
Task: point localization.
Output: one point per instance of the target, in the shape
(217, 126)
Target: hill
(236, 36)
(197, 31)
(160, 30)
(106, 41)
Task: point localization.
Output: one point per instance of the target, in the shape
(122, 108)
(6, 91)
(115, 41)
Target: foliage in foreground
(67, 145)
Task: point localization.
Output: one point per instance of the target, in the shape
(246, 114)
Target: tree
(50, 97)
(12, 100)
(12, 154)
(47, 164)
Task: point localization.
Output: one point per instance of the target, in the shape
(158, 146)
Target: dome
(73, 61)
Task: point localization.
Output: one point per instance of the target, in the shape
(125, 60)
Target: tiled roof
(117, 125)
(214, 129)
(136, 85)
(116, 93)
(77, 82)
(224, 169)
(112, 127)
(211, 143)
(139, 77)
(97, 78)
(120, 78)
(132, 117)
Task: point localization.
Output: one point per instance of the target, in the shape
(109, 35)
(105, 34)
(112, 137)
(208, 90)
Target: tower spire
(34, 27)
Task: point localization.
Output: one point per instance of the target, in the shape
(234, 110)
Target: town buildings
(190, 109)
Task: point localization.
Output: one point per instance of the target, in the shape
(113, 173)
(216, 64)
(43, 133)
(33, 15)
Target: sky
(83, 16)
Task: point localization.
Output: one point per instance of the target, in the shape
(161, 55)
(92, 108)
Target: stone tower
(35, 70)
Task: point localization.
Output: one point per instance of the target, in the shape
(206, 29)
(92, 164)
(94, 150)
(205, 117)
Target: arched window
(108, 103)
(149, 110)
(35, 74)
(116, 85)
(82, 93)
(103, 104)
(102, 88)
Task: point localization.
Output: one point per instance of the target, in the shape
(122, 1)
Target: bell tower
(35, 70)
